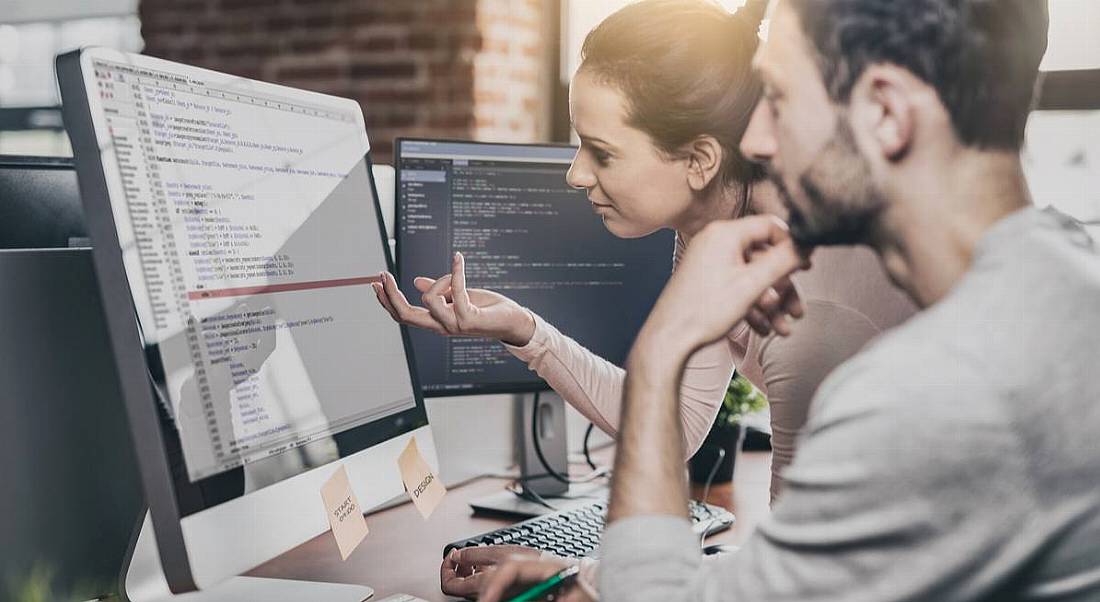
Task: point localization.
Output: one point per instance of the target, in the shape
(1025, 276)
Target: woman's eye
(601, 157)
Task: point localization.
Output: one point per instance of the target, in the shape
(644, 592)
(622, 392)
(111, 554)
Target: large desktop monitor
(526, 234)
(73, 496)
(236, 232)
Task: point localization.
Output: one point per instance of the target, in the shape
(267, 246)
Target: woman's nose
(579, 175)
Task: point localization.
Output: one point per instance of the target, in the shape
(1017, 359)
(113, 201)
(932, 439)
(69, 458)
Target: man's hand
(517, 576)
(465, 570)
(732, 270)
(452, 309)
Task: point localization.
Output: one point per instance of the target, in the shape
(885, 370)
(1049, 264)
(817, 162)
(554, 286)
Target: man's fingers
(781, 326)
(770, 266)
(770, 302)
(514, 575)
(486, 555)
(759, 231)
(493, 588)
(791, 301)
(465, 587)
(456, 578)
(758, 322)
(461, 299)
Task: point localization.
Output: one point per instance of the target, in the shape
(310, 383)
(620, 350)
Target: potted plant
(726, 433)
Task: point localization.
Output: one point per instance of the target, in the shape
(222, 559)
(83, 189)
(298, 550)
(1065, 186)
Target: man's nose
(758, 143)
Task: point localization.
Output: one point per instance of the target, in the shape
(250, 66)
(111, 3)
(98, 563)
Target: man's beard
(842, 204)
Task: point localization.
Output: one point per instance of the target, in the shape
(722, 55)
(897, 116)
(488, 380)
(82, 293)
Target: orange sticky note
(423, 486)
(344, 514)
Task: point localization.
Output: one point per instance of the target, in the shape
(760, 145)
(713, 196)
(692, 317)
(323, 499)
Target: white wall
(23, 11)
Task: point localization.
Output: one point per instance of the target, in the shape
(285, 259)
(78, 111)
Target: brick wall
(476, 69)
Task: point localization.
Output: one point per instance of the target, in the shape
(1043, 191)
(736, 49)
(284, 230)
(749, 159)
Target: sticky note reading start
(344, 514)
(423, 486)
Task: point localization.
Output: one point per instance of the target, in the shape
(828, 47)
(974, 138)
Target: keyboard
(576, 533)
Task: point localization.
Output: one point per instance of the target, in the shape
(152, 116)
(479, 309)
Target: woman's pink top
(848, 301)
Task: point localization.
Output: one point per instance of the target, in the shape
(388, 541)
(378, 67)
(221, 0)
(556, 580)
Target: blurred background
(493, 70)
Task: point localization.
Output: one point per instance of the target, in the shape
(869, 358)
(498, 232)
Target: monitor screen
(249, 234)
(527, 234)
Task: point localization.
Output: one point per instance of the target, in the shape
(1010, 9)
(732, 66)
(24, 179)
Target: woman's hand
(452, 309)
(465, 570)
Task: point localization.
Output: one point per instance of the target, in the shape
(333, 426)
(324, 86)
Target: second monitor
(528, 235)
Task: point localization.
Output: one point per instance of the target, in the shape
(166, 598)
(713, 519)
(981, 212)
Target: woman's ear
(704, 155)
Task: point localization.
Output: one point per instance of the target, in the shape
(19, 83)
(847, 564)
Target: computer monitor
(39, 204)
(236, 232)
(63, 441)
(526, 234)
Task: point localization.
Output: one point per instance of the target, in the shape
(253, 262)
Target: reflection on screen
(250, 240)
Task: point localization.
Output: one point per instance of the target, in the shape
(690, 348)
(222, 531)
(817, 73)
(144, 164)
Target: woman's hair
(685, 68)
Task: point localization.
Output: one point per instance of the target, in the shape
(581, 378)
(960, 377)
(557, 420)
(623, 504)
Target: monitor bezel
(123, 328)
(485, 389)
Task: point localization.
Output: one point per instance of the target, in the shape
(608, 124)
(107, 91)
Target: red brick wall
(438, 68)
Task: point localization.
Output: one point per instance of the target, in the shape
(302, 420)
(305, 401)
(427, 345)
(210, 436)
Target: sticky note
(423, 485)
(344, 514)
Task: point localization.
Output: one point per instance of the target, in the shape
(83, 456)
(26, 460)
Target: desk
(403, 552)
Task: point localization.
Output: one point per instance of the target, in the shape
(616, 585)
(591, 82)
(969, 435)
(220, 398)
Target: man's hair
(981, 56)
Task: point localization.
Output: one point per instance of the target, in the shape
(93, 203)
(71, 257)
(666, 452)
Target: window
(30, 122)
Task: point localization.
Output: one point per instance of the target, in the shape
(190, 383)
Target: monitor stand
(144, 581)
(507, 503)
(554, 444)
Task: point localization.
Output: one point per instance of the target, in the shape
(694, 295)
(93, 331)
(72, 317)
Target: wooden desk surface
(403, 552)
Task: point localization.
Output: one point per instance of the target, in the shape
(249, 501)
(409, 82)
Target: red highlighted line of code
(244, 291)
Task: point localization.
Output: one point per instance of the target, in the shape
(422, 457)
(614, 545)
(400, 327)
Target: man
(954, 458)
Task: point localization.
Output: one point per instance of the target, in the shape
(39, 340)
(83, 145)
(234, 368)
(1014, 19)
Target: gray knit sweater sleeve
(873, 510)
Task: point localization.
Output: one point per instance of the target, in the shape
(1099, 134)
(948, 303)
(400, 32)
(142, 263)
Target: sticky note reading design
(344, 514)
(423, 486)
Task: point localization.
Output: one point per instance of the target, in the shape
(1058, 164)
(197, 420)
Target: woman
(660, 102)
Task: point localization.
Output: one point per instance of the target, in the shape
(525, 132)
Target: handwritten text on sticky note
(423, 485)
(344, 514)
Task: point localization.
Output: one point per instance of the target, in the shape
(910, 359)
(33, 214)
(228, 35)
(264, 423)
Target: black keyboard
(576, 533)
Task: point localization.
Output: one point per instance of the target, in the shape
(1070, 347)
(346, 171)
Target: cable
(706, 493)
(550, 471)
(587, 455)
(531, 496)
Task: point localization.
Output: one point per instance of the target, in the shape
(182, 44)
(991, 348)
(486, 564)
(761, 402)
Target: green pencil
(549, 585)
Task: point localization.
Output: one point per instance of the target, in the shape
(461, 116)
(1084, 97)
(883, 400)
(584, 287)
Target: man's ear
(704, 155)
(882, 106)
